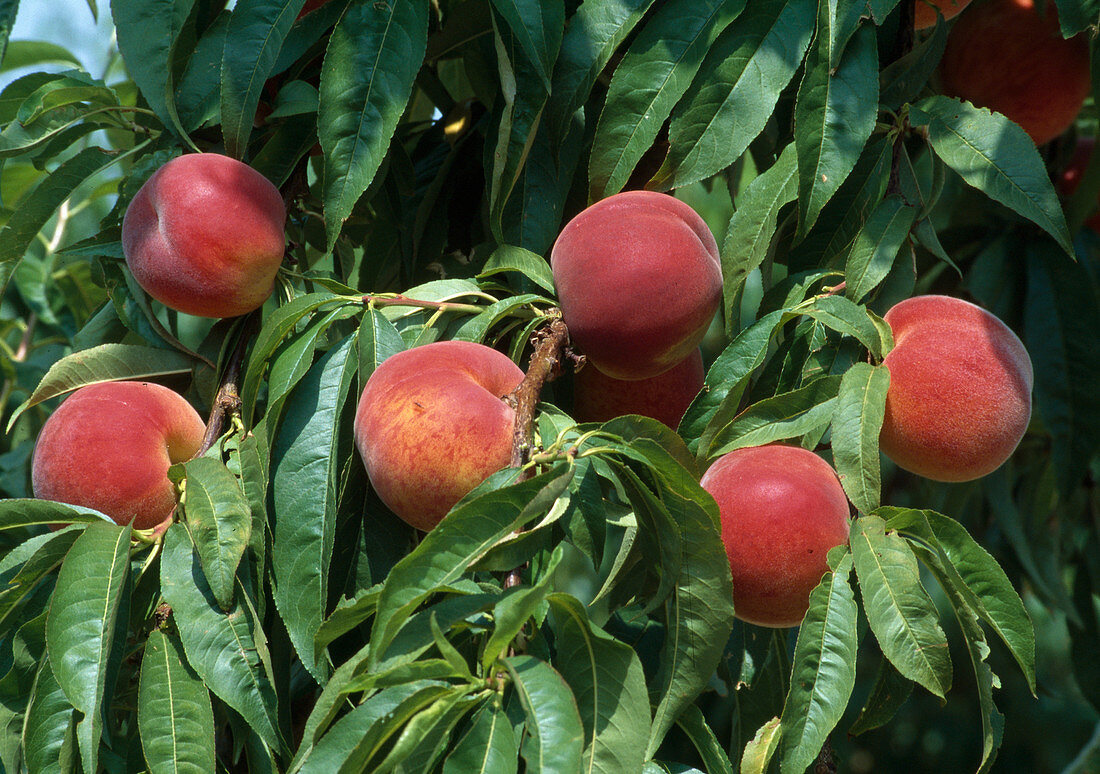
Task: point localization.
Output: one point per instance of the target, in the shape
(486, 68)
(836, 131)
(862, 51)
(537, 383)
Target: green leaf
(609, 686)
(977, 577)
(538, 25)
(654, 74)
(426, 733)
(198, 96)
(175, 717)
(992, 720)
(29, 53)
(554, 738)
(18, 513)
(726, 380)
(353, 740)
(758, 753)
(899, 610)
(89, 601)
(373, 55)
(997, 157)
(223, 648)
(595, 31)
(257, 29)
(857, 420)
(889, 692)
(532, 266)
(715, 759)
(488, 747)
(903, 79)
(512, 613)
(305, 462)
(824, 668)
(848, 318)
(472, 527)
(49, 730)
(148, 31)
(35, 209)
(877, 245)
(219, 519)
(1060, 323)
(8, 9)
(788, 415)
(105, 363)
(833, 117)
(736, 90)
(752, 226)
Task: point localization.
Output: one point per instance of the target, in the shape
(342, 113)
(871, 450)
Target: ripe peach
(108, 446)
(431, 426)
(1075, 170)
(204, 235)
(924, 11)
(665, 397)
(639, 280)
(960, 389)
(1004, 56)
(782, 509)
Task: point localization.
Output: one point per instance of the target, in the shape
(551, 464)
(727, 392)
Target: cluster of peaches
(639, 282)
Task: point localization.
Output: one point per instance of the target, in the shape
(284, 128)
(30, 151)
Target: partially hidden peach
(1075, 170)
(431, 425)
(665, 397)
(782, 508)
(108, 446)
(924, 11)
(960, 389)
(204, 235)
(639, 279)
(1004, 56)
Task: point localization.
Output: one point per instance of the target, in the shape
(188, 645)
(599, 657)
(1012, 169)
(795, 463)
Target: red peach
(639, 279)
(665, 397)
(924, 11)
(782, 509)
(431, 426)
(1004, 56)
(204, 235)
(1075, 170)
(108, 446)
(960, 389)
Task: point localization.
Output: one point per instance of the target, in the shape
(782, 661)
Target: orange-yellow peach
(924, 11)
(782, 508)
(108, 446)
(960, 389)
(665, 397)
(1004, 56)
(639, 279)
(204, 235)
(431, 425)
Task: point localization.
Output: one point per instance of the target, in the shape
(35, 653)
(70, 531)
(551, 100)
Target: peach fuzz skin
(1004, 56)
(639, 280)
(924, 11)
(108, 446)
(665, 397)
(205, 236)
(431, 425)
(782, 508)
(960, 389)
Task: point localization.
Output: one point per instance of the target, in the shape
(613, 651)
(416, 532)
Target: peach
(108, 446)
(782, 508)
(924, 11)
(1004, 56)
(665, 397)
(960, 389)
(639, 279)
(204, 235)
(431, 425)
(1075, 170)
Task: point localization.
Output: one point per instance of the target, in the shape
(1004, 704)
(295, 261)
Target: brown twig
(228, 399)
(545, 364)
(825, 762)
